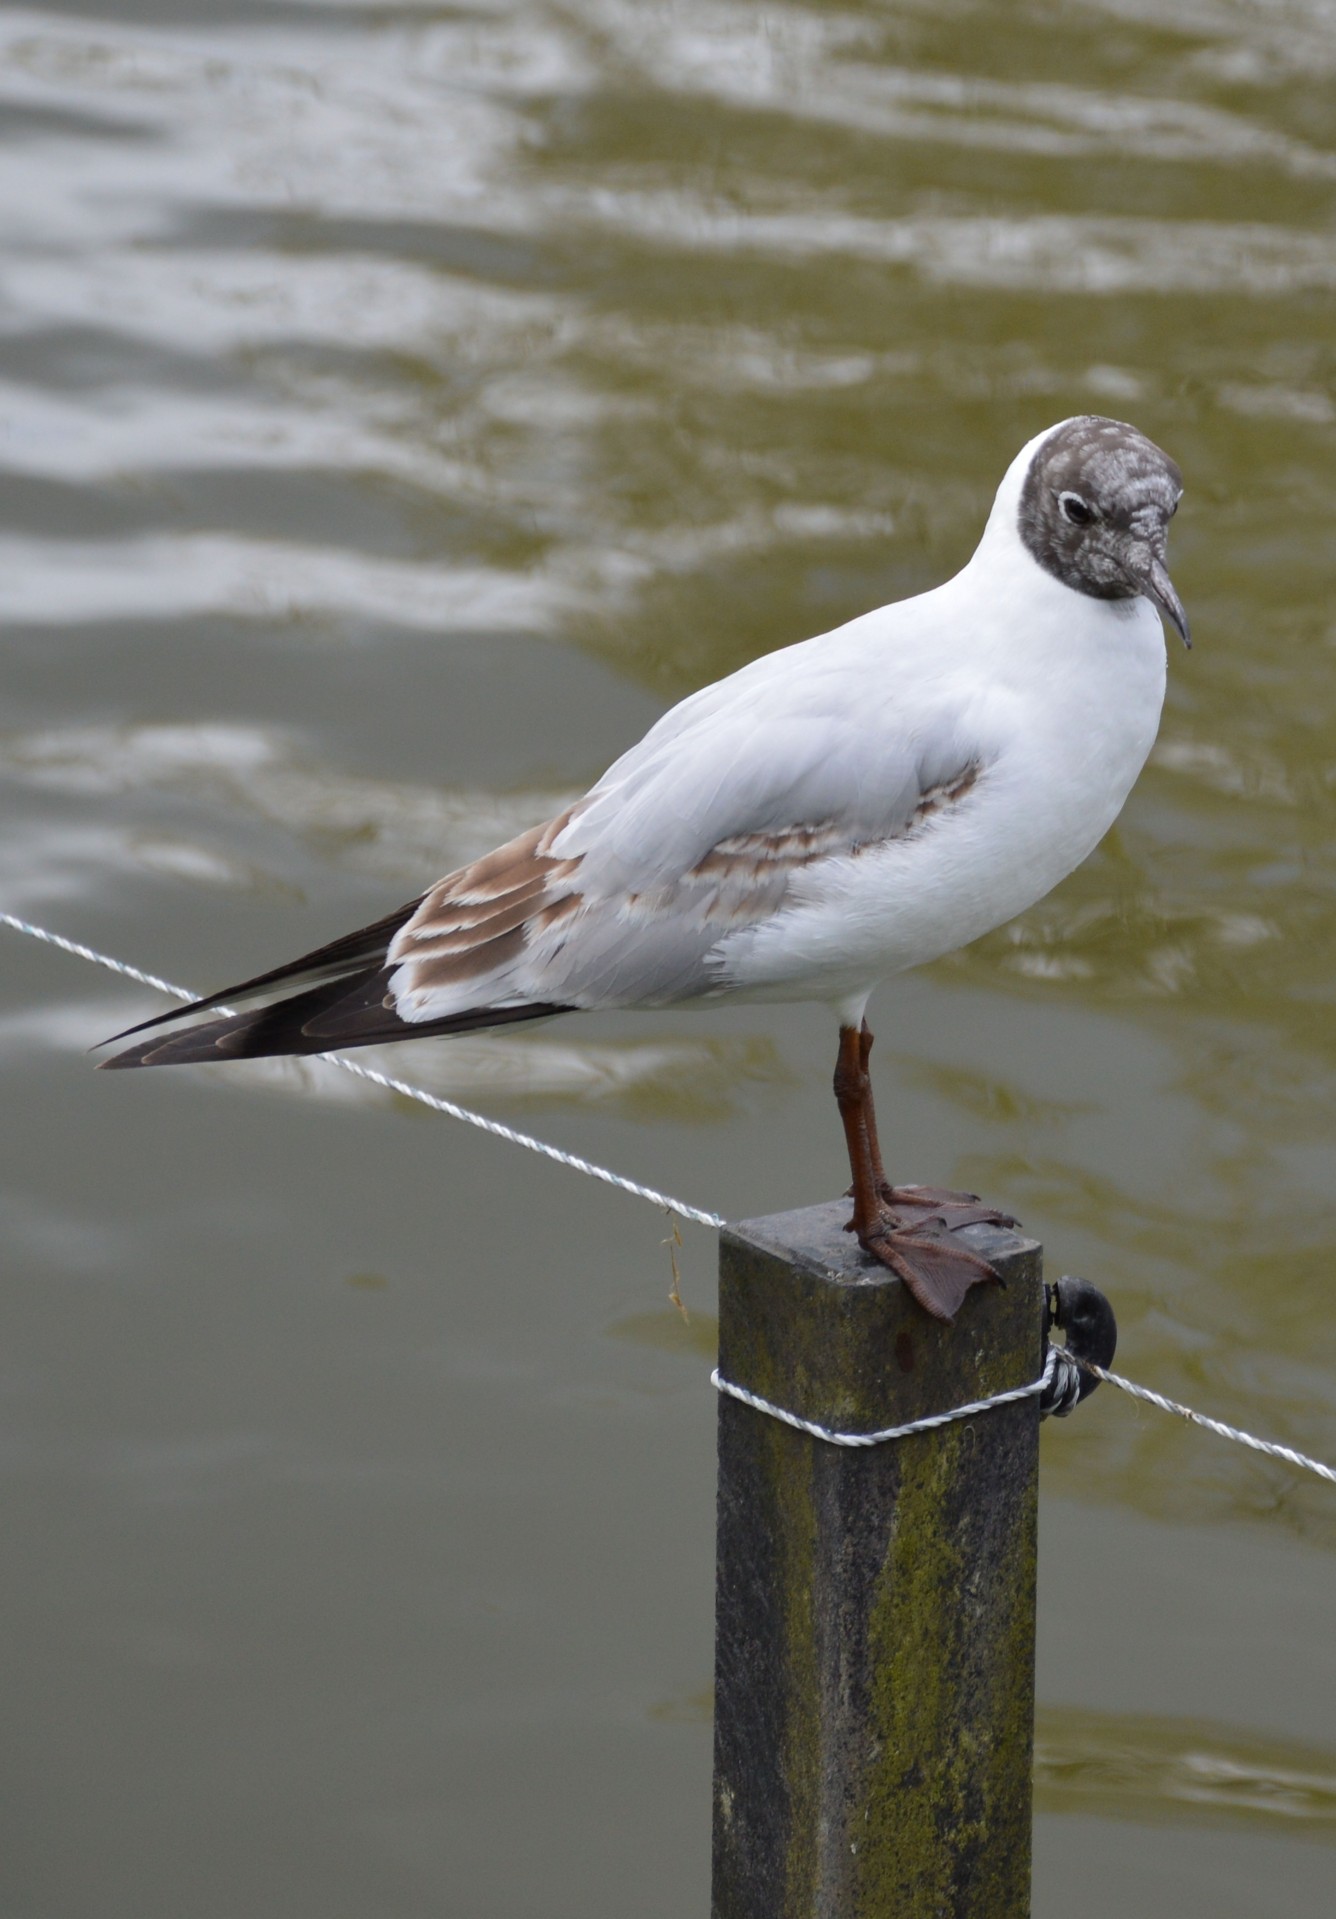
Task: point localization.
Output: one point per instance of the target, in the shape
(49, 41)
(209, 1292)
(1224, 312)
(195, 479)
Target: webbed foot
(921, 1251)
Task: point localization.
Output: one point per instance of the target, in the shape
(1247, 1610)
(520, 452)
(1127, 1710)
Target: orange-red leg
(907, 1228)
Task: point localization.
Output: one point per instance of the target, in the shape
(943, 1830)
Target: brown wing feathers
(476, 920)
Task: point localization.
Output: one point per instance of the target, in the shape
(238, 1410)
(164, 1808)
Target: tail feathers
(337, 1014)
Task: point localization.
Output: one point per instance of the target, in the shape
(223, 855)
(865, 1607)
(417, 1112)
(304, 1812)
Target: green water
(399, 405)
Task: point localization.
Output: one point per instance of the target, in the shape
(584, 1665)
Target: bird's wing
(623, 900)
(801, 739)
(701, 830)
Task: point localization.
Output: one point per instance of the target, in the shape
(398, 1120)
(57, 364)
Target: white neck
(1003, 529)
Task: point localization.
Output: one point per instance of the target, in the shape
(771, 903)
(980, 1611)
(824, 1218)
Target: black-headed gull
(833, 813)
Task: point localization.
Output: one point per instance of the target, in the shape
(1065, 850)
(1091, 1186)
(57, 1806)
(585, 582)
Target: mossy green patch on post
(875, 1643)
(949, 1795)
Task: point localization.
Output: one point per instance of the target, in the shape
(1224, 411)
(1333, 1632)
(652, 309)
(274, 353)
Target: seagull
(830, 815)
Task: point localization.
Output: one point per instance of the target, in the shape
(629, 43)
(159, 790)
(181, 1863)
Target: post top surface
(815, 1237)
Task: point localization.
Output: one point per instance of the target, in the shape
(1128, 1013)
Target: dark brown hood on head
(1095, 511)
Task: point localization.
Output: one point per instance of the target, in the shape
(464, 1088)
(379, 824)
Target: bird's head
(1095, 509)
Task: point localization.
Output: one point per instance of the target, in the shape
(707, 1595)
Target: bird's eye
(1075, 509)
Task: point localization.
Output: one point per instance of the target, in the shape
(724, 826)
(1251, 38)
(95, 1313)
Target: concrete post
(874, 1711)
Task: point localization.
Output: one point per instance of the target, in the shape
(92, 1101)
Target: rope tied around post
(1052, 1371)
(1070, 1373)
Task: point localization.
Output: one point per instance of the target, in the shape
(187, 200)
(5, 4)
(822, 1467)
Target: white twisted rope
(528, 1142)
(1217, 1426)
(924, 1425)
(1057, 1355)
(419, 1093)
(98, 959)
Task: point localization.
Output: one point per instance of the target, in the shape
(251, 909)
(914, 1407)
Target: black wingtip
(195, 1045)
(280, 1032)
(132, 1058)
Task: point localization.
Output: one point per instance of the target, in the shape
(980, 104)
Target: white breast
(1065, 692)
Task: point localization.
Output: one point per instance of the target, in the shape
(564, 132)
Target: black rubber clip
(1092, 1333)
